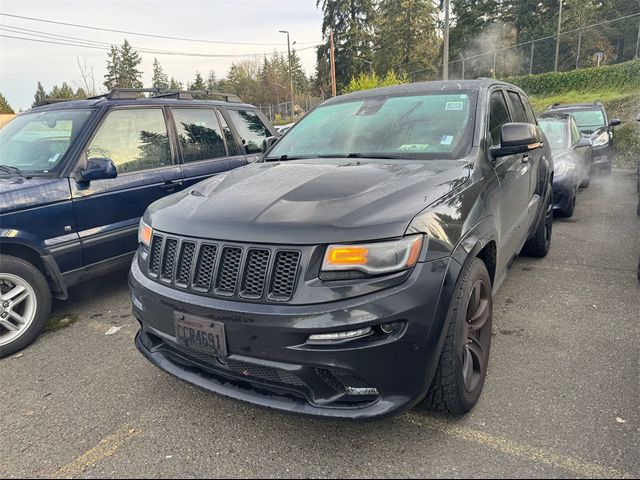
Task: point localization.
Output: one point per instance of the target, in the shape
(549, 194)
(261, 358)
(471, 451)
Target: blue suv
(76, 176)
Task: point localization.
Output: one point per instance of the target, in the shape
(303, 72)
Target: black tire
(568, 211)
(449, 391)
(540, 243)
(17, 267)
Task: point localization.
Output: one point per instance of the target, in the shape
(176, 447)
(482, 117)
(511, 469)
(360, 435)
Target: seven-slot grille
(215, 269)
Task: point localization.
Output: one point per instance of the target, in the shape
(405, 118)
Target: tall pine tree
(406, 38)
(159, 78)
(39, 96)
(129, 75)
(113, 68)
(352, 24)
(198, 83)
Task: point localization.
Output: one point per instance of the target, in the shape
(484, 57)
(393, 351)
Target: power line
(76, 42)
(140, 33)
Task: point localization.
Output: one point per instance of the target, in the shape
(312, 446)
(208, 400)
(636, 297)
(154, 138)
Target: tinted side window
(199, 134)
(133, 139)
(498, 116)
(232, 144)
(251, 129)
(519, 115)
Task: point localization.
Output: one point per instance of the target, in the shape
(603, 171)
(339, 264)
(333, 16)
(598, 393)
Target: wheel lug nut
(5, 304)
(4, 315)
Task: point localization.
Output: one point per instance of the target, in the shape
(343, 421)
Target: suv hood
(310, 201)
(17, 192)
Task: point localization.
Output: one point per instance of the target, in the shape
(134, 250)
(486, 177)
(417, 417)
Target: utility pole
(290, 74)
(638, 43)
(531, 58)
(334, 89)
(555, 67)
(445, 35)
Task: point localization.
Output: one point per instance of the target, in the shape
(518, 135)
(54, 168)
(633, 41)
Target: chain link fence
(281, 112)
(494, 53)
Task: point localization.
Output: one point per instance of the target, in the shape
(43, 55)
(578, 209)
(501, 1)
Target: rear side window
(232, 145)
(251, 129)
(519, 114)
(199, 134)
(134, 139)
(498, 116)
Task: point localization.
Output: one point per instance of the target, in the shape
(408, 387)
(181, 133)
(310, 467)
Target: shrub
(367, 81)
(623, 76)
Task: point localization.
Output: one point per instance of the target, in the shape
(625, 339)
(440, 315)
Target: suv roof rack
(133, 93)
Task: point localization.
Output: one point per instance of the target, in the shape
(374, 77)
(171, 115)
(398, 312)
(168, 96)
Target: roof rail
(133, 93)
(49, 101)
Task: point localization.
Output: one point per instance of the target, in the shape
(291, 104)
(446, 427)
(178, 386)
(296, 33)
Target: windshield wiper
(10, 169)
(283, 158)
(376, 156)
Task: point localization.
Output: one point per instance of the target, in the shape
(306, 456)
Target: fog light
(361, 391)
(387, 328)
(340, 336)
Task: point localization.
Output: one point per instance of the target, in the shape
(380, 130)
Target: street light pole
(290, 73)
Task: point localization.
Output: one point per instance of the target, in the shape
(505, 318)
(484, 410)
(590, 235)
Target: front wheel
(459, 378)
(25, 303)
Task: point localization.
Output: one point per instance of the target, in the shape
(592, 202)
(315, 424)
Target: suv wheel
(25, 303)
(570, 208)
(540, 243)
(462, 369)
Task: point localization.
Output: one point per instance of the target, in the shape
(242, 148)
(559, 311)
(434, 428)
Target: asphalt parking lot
(561, 399)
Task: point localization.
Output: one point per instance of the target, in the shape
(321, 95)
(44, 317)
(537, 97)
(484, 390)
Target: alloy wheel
(477, 335)
(18, 307)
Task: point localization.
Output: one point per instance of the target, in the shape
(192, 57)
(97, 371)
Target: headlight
(374, 258)
(601, 139)
(145, 232)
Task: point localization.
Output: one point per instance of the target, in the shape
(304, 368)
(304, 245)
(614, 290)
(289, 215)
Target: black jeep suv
(350, 273)
(76, 176)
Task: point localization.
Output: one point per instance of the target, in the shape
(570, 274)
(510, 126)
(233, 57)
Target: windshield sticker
(54, 158)
(414, 147)
(446, 140)
(454, 106)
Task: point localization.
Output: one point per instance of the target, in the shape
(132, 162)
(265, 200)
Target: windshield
(427, 126)
(555, 130)
(37, 142)
(589, 120)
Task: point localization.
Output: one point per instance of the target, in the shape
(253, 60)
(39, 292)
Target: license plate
(200, 334)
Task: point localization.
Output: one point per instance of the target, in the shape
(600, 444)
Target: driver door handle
(170, 185)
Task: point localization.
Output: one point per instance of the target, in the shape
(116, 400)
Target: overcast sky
(23, 63)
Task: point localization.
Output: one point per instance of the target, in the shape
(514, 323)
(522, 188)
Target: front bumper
(564, 188)
(270, 362)
(601, 156)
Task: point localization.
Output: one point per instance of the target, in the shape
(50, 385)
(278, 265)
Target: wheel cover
(477, 335)
(18, 306)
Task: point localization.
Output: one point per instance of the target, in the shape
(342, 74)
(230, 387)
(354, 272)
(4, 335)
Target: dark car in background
(76, 176)
(592, 120)
(572, 159)
(351, 272)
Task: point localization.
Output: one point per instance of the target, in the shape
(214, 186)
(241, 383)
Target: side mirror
(98, 169)
(615, 122)
(517, 138)
(584, 142)
(269, 142)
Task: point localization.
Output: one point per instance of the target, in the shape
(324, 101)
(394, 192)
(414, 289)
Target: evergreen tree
(111, 78)
(80, 93)
(352, 24)
(4, 105)
(159, 78)
(212, 81)
(300, 80)
(175, 85)
(198, 83)
(406, 39)
(128, 74)
(63, 92)
(39, 96)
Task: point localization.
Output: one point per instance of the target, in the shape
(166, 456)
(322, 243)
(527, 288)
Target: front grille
(226, 271)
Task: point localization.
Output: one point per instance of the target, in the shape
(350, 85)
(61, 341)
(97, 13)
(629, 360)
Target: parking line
(106, 448)
(576, 466)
